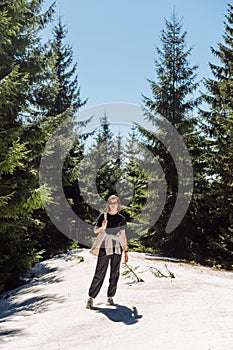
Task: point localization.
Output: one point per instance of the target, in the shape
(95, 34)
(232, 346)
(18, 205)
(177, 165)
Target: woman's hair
(112, 198)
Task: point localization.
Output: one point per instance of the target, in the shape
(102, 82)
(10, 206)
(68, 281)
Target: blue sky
(114, 42)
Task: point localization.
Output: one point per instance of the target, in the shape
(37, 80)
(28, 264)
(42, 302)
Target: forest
(40, 90)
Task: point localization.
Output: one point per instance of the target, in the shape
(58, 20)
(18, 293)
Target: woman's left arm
(125, 245)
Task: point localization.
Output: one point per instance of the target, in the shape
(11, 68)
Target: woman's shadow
(120, 313)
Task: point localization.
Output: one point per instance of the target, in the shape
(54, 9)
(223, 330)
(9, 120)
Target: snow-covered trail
(194, 310)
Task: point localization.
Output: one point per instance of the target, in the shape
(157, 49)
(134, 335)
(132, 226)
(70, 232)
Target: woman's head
(113, 204)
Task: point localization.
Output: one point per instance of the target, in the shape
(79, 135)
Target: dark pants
(100, 272)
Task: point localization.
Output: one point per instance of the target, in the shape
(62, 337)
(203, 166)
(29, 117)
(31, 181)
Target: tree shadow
(35, 304)
(9, 333)
(38, 275)
(9, 306)
(120, 313)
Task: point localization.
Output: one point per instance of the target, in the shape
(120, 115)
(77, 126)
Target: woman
(111, 228)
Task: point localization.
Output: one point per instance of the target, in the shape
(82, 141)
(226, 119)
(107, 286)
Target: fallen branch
(131, 271)
(157, 273)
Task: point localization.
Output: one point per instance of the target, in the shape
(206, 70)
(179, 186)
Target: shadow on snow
(120, 313)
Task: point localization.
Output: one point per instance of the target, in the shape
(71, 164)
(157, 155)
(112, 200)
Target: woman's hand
(103, 227)
(104, 224)
(126, 257)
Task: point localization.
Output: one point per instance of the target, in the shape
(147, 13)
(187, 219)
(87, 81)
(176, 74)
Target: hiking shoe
(89, 303)
(110, 301)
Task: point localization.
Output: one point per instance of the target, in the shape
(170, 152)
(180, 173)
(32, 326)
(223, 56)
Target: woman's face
(113, 205)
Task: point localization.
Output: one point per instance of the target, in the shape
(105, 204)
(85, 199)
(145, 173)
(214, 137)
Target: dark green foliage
(97, 174)
(218, 125)
(68, 91)
(64, 103)
(172, 98)
(20, 57)
(138, 179)
(30, 89)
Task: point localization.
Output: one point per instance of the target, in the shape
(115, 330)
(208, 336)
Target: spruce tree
(100, 163)
(68, 94)
(95, 177)
(66, 101)
(173, 99)
(218, 125)
(20, 57)
(143, 178)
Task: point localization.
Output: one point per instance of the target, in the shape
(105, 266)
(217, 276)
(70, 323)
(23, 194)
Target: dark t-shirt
(115, 223)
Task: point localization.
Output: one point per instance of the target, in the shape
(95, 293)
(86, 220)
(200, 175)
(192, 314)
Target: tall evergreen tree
(137, 179)
(110, 147)
(65, 101)
(96, 176)
(218, 124)
(173, 99)
(20, 57)
(68, 94)
(99, 159)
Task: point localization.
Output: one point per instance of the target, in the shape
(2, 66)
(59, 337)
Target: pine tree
(65, 101)
(20, 57)
(173, 99)
(25, 70)
(99, 174)
(105, 146)
(68, 95)
(137, 179)
(218, 124)
(31, 86)
(95, 178)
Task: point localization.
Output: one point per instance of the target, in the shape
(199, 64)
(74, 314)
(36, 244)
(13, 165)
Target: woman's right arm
(97, 229)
